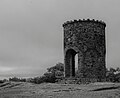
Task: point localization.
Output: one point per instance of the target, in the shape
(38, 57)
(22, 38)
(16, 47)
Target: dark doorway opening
(71, 63)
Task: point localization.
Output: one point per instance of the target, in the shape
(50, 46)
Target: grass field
(49, 90)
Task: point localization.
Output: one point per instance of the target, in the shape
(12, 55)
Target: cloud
(31, 33)
(5, 69)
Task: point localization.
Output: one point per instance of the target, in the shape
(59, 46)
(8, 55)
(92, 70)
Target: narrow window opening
(76, 63)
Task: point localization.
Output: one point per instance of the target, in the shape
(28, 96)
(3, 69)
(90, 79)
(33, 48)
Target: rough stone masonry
(87, 39)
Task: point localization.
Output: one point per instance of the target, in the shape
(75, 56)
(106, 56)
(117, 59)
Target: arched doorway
(70, 63)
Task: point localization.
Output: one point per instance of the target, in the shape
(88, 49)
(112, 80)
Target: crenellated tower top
(85, 20)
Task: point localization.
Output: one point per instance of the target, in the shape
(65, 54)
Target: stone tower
(87, 39)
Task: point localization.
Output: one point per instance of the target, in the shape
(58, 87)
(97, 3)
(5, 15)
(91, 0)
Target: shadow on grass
(106, 88)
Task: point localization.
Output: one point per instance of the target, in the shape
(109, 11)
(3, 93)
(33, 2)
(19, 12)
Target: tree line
(56, 73)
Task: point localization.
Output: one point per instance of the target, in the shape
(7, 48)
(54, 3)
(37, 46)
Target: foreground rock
(48, 90)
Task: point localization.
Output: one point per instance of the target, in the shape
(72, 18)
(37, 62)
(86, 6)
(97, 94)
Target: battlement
(84, 20)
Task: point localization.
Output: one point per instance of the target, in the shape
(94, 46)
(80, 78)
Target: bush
(15, 79)
(51, 76)
(1, 81)
(113, 75)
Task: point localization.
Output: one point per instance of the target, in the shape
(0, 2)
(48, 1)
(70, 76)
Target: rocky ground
(49, 90)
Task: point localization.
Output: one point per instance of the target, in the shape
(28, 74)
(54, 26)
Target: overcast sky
(31, 33)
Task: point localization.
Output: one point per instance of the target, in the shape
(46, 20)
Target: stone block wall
(87, 39)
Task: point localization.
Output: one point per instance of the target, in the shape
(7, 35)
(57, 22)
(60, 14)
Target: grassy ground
(49, 90)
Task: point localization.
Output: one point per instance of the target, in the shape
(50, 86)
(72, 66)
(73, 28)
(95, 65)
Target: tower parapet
(85, 20)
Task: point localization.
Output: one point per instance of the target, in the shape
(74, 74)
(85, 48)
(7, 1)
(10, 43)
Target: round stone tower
(87, 39)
